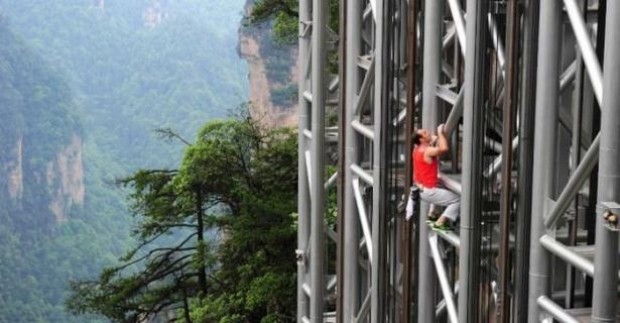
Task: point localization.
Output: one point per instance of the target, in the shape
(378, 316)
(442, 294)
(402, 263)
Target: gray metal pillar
(431, 62)
(526, 135)
(351, 232)
(303, 190)
(379, 166)
(433, 21)
(547, 82)
(317, 190)
(342, 166)
(605, 258)
(408, 251)
(576, 112)
(510, 107)
(473, 145)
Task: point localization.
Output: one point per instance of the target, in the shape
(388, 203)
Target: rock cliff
(272, 74)
(41, 166)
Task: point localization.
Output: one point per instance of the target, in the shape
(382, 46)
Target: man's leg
(447, 198)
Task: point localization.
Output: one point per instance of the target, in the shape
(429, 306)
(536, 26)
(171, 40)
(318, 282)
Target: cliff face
(272, 74)
(14, 170)
(65, 179)
(61, 177)
(41, 167)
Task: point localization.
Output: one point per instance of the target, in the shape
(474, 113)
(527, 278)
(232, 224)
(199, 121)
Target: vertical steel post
(317, 222)
(510, 104)
(351, 227)
(431, 60)
(303, 194)
(379, 167)
(605, 258)
(342, 165)
(576, 112)
(595, 129)
(473, 145)
(547, 90)
(412, 21)
(526, 155)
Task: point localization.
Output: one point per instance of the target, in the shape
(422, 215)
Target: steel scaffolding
(530, 94)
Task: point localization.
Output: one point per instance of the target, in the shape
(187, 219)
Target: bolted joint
(300, 256)
(610, 213)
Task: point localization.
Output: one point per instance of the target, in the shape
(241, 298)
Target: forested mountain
(83, 83)
(42, 187)
(138, 65)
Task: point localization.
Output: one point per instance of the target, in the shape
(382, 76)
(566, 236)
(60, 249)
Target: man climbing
(425, 157)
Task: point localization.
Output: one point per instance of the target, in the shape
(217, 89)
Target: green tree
(256, 272)
(168, 266)
(230, 202)
(285, 17)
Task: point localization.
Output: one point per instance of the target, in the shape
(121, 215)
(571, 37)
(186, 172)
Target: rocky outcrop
(153, 15)
(257, 47)
(65, 179)
(15, 171)
(62, 177)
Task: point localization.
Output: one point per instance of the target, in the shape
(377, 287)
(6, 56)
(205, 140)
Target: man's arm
(442, 144)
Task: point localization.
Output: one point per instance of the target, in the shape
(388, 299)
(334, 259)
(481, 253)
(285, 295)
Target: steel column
(573, 224)
(547, 89)
(431, 61)
(317, 191)
(379, 166)
(510, 106)
(473, 143)
(408, 274)
(351, 224)
(605, 259)
(303, 193)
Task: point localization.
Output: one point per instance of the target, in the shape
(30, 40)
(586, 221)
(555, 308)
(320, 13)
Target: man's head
(422, 136)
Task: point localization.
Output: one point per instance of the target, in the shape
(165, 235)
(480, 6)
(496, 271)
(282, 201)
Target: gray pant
(443, 197)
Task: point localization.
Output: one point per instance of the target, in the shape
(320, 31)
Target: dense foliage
(285, 17)
(139, 65)
(237, 182)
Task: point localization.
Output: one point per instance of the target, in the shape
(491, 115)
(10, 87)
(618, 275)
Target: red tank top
(424, 174)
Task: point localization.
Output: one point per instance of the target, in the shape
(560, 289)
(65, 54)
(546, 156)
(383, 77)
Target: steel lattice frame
(551, 73)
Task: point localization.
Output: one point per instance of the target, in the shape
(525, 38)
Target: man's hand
(442, 145)
(441, 129)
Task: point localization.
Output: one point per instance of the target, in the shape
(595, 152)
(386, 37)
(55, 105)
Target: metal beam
(593, 67)
(317, 148)
(567, 255)
(604, 300)
(446, 289)
(303, 192)
(555, 310)
(459, 23)
(473, 143)
(363, 219)
(431, 58)
(352, 203)
(547, 91)
(379, 166)
(575, 182)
